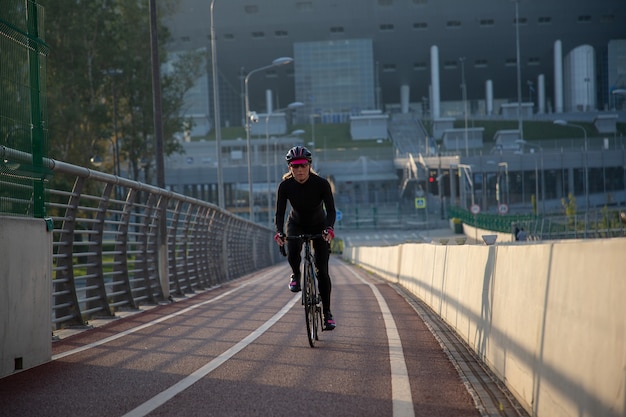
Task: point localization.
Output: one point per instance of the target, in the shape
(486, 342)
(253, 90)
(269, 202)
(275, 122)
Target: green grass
(536, 130)
(337, 136)
(328, 136)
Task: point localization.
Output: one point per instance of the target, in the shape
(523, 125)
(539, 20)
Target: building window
(229, 36)
(389, 68)
(544, 20)
(486, 22)
(520, 21)
(304, 5)
(385, 27)
(185, 38)
(510, 62)
(480, 63)
(336, 29)
(251, 9)
(420, 2)
(281, 33)
(453, 24)
(450, 64)
(533, 60)
(385, 2)
(419, 66)
(420, 25)
(584, 19)
(607, 18)
(258, 35)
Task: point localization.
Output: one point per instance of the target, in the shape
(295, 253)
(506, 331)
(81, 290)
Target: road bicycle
(310, 295)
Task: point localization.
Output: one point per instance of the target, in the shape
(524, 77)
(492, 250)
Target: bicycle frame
(310, 297)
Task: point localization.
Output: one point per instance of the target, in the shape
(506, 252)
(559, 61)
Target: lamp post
(216, 114)
(506, 180)
(97, 161)
(291, 106)
(113, 72)
(565, 123)
(464, 90)
(615, 93)
(467, 171)
(277, 62)
(313, 117)
(520, 126)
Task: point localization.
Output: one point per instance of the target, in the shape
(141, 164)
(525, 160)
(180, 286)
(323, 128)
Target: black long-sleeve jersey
(312, 203)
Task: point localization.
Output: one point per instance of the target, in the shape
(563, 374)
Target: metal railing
(595, 224)
(106, 250)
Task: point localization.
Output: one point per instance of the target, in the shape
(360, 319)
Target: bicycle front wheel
(310, 305)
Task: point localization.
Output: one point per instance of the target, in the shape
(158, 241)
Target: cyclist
(312, 212)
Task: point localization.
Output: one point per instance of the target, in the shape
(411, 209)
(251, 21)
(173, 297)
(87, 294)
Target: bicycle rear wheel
(310, 305)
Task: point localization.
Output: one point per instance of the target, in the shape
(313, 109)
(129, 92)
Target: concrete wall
(548, 318)
(25, 294)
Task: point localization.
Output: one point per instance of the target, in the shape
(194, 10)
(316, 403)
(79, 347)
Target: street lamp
(617, 92)
(519, 72)
(113, 72)
(464, 90)
(506, 180)
(565, 123)
(561, 122)
(277, 62)
(467, 171)
(291, 106)
(216, 114)
(97, 160)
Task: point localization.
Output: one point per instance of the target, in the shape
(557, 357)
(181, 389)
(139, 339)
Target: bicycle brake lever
(282, 250)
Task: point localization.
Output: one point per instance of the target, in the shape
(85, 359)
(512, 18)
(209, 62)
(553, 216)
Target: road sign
(338, 215)
(475, 209)
(503, 209)
(420, 202)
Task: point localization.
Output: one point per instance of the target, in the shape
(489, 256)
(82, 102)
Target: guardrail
(107, 252)
(598, 223)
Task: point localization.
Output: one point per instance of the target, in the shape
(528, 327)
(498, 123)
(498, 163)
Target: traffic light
(433, 185)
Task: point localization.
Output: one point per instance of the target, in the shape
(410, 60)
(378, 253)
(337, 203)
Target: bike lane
(242, 350)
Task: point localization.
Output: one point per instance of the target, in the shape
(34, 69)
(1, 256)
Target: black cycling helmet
(298, 152)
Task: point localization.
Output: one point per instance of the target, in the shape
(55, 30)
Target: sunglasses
(298, 165)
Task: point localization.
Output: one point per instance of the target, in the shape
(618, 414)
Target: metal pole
(267, 165)
(519, 73)
(276, 62)
(248, 149)
(158, 136)
(464, 90)
(216, 114)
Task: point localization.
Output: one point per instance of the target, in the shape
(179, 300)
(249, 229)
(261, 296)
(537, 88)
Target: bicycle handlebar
(305, 236)
(302, 237)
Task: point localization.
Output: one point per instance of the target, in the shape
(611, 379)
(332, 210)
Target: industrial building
(407, 61)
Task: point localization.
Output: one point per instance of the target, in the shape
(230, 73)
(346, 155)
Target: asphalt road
(241, 350)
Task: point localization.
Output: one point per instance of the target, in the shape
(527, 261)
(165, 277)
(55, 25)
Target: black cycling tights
(322, 254)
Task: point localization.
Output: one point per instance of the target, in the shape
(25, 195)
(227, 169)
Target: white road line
(400, 384)
(182, 385)
(159, 320)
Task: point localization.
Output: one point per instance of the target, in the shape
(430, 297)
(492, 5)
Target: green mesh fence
(23, 115)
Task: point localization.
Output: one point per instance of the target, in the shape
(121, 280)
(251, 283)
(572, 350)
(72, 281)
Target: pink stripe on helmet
(299, 161)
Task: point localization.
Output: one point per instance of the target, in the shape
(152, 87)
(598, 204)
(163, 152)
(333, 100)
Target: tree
(99, 81)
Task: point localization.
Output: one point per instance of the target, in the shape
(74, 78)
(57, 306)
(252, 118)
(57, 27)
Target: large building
(476, 42)
(438, 59)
